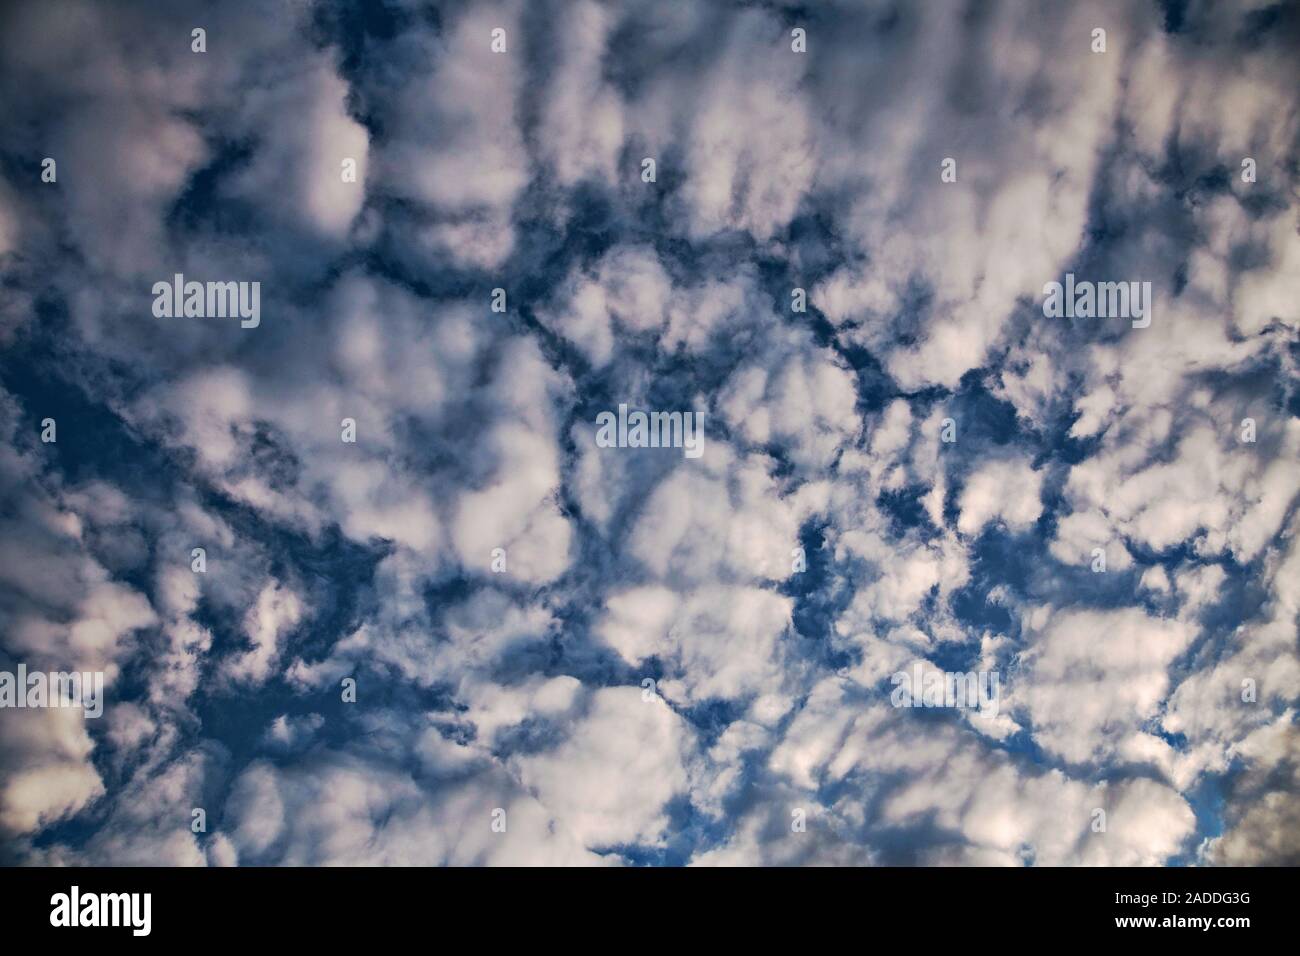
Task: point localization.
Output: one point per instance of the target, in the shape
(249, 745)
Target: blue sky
(570, 654)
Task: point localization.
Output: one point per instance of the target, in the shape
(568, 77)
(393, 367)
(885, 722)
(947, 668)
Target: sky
(439, 618)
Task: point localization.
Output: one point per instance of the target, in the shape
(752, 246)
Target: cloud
(339, 809)
(610, 780)
(1265, 819)
(1092, 680)
(498, 585)
(1006, 491)
(276, 612)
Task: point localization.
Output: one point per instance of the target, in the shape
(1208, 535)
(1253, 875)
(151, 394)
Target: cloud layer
(434, 622)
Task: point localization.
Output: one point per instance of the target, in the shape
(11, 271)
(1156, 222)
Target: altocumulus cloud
(362, 584)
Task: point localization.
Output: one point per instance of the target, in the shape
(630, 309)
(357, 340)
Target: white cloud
(277, 612)
(1009, 491)
(610, 781)
(1092, 679)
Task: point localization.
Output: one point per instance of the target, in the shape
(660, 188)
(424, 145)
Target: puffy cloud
(1209, 489)
(342, 810)
(627, 290)
(519, 513)
(323, 156)
(938, 776)
(749, 152)
(610, 780)
(1264, 826)
(582, 122)
(724, 520)
(718, 642)
(1091, 680)
(276, 612)
(800, 399)
(60, 611)
(1009, 491)
(455, 145)
(48, 772)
